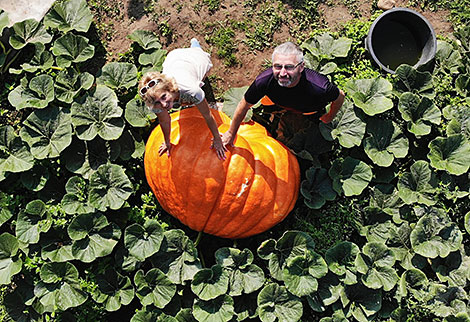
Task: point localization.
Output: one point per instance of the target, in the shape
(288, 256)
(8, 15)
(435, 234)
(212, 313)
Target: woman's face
(165, 100)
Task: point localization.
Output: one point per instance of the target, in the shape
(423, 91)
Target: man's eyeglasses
(151, 83)
(289, 67)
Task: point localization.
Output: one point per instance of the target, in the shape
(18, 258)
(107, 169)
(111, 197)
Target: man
(291, 86)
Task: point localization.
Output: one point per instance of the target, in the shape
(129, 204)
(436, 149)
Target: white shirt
(188, 66)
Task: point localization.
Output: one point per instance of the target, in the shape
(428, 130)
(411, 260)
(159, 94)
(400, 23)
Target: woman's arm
(220, 149)
(165, 122)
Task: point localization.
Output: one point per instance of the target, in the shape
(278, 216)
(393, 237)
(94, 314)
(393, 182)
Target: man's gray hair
(289, 48)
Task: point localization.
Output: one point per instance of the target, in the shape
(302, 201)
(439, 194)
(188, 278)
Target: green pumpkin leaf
(59, 287)
(99, 114)
(231, 99)
(435, 235)
(276, 304)
(15, 156)
(451, 154)
(41, 61)
(420, 113)
(138, 114)
(341, 261)
(385, 142)
(143, 242)
(376, 264)
(4, 21)
(146, 39)
(10, 264)
(92, 236)
(71, 48)
(415, 186)
(154, 58)
(324, 46)
(38, 94)
(347, 127)
(151, 314)
(371, 95)
(75, 201)
(459, 120)
(69, 83)
(218, 309)
(462, 84)
(32, 221)
(154, 288)
(56, 246)
(386, 200)
(448, 58)
(317, 188)
(360, 302)
(18, 306)
(301, 273)
(48, 132)
(118, 75)
(5, 212)
(113, 290)
(132, 145)
(69, 15)
(329, 288)
(28, 32)
(415, 282)
(412, 80)
(36, 178)
(209, 283)
(177, 257)
(350, 176)
(244, 277)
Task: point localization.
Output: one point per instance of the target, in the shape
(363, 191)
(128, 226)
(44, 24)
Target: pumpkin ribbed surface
(251, 191)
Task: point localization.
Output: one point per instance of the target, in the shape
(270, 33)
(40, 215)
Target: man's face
(287, 70)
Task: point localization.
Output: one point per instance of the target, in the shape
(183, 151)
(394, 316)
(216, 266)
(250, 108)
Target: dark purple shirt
(313, 92)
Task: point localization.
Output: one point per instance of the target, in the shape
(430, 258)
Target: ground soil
(187, 23)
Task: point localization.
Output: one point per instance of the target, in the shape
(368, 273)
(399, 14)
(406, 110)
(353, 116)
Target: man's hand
(164, 148)
(220, 149)
(227, 139)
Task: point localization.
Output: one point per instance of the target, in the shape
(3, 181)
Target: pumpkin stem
(198, 239)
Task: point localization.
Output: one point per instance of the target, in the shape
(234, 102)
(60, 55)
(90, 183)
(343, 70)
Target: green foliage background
(379, 233)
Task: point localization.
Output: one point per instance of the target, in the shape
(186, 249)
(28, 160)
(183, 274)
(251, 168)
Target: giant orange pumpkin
(252, 190)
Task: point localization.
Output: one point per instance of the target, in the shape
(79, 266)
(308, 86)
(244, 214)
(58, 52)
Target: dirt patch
(190, 18)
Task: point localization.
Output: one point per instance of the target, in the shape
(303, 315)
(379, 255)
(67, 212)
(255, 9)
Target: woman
(180, 84)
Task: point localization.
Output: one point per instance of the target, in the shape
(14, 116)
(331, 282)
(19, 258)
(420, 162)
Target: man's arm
(334, 108)
(238, 117)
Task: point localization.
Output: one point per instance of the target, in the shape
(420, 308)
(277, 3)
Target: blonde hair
(164, 83)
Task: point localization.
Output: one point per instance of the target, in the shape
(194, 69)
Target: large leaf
(219, 309)
(138, 114)
(386, 199)
(38, 93)
(341, 261)
(412, 80)
(75, 199)
(209, 283)
(56, 246)
(415, 186)
(69, 83)
(371, 95)
(413, 281)
(5, 212)
(71, 48)
(14, 153)
(450, 153)
(146, 39)
(154, 288)
(275, 303)
(154, 58)
(99, 114)
(69, 15)
(459, 120)
(448, 58)
(317, 188)
(36, 178)
(48, 132)
(177, 257)
(301, 273)
(324, 46)
(347, 127)
(92, 236)
(360, 302)
(109, 187)
(132, 145)
(231, 99)
(59, 287)
(420, 113)
(244, 276)
(143, 242)
(350, 176)
(85, 157)
(435, 235)
(29, 31)
(376, 264)
(32, 221)
(462, 84)
(290, 245)
(113, 290)
(10, 263)
(329, 288)
(118, 75)
(42, 60)
(4, 21)
(385, 142)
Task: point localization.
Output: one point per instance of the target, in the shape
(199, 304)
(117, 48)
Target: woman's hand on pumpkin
(164, 148)
(227, 139)
(220, 149)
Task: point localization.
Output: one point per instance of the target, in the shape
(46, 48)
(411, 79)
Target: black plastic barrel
(401, 36)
